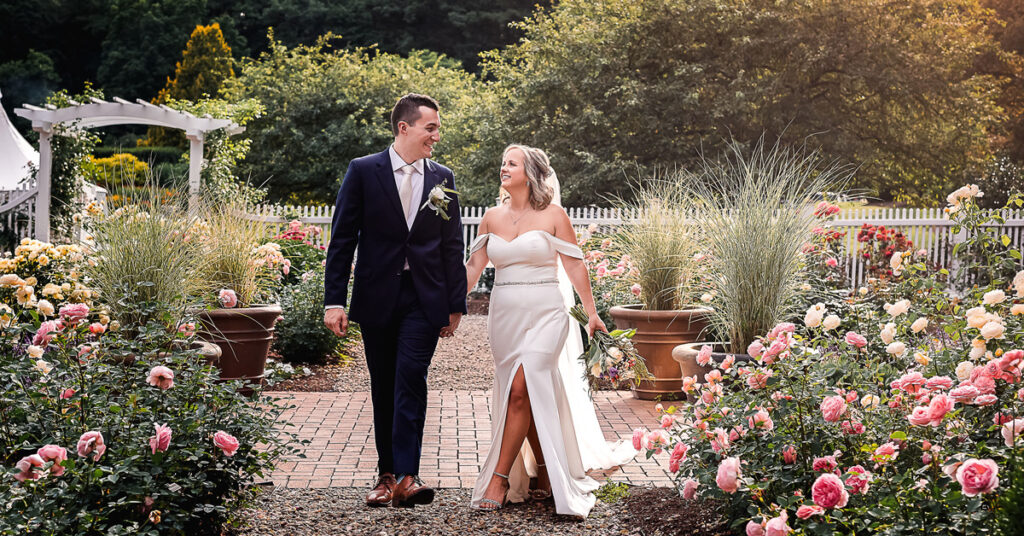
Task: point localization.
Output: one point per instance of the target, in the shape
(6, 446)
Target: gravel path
(340, 511)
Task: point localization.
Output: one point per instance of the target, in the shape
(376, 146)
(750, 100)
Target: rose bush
(105, 434)
(901, 418)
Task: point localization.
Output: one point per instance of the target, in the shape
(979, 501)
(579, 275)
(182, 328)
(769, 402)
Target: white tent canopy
(15, 155)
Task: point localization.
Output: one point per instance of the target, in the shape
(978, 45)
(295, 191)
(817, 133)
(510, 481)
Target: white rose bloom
(813, 318)
(805, 287)
(922, 358)
(976, 353)
(964, 370)
(615, 353)
(993, 297)
(870, 401)
(896, 261)
(976, 318)
(43, 366)
(863, 291)
(45, 307)
(919, 325)
(898, 308)
(706, 298)
(35, 352)
(1018, 284)
(993, 330)
(896, 348)
(831, 322)
(888, 333)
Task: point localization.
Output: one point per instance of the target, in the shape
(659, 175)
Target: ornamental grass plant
(661, 243)
(144, 250)
(755, 211)
(236, 258)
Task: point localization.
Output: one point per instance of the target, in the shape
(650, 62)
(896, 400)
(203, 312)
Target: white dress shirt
(398, 167)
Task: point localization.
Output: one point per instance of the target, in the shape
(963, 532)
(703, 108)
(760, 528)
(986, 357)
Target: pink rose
(667, 421)
(761, 420)
(161, 377)
(828, 492)
(978, 476)
(28, 468)
(187, 329)
(46, 332)
(789, 455)
(832, 408)
(55, 454)
(824, 464)
(639, 437)
(885, 453)
(759, 379)
(852, 428)
(1011, 431)
(965, 393)
(91, 443)
(704, 356)
(776, 348)
(855, 340)
(677, 456)
(97, 329)
(74, 313)
(808, 510)
(225, 442)
(939, 382)
(755, 349)
(939, 406)
(635, 289)
(729, 474)
(919, 416)
(227, 298)
(859, 480)
(657, 440)
(777, 526)
(161, 440)
(986, 400)
(689, 488)
(784, 327)
(831, 262)
(754, 528)
(67, 393)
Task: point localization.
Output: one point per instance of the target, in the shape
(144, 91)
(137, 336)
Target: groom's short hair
(408, 109)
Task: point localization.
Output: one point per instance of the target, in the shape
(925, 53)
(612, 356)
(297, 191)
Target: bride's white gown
(529, 325)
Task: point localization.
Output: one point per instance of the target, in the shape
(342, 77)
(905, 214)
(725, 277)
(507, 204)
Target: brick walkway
(341, 452)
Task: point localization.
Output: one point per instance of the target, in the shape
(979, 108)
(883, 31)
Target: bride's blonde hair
(538, 169)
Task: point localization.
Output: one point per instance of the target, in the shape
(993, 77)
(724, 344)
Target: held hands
(453, 324)
(594, 323)
(336, 320)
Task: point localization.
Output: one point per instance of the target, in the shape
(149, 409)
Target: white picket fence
(927, 228)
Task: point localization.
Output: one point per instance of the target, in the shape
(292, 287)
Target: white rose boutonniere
(437, 200)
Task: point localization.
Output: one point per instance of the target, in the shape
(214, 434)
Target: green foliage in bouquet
(611, 356)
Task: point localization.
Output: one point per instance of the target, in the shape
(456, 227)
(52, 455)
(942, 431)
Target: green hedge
(149, 155)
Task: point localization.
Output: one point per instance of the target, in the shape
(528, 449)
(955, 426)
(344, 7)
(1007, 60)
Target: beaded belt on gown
(541, 282)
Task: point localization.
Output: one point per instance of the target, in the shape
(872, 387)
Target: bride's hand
(594, 324)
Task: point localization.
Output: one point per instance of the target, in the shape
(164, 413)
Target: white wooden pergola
(100, 113)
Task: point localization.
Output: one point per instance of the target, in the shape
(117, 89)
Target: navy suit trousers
(398, 354)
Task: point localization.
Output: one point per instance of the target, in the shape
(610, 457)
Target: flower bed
(903, 415)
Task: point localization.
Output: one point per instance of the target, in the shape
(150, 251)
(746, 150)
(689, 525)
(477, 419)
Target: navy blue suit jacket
(368, 215)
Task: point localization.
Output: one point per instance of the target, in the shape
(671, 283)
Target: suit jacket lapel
(386, 176)
(430, 179)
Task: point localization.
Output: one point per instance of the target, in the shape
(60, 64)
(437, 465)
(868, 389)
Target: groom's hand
(336, 320)
(453, 324)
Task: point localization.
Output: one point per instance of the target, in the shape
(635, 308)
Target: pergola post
(195, 166)
(43, 182)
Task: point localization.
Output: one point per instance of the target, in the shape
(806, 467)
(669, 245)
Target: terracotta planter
(244, 336)
(686, 356)
(657, 333)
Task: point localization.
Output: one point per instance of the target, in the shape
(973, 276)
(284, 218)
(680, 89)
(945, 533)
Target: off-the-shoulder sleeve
(565, 248)
(480, 242)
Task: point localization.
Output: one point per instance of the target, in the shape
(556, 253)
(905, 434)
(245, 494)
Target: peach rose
(978, 476)
(677, 456)
(939, 406)
(704, 356)
(808, 510)
(729, 474)
(225, 442)
(227, 298)
(161, 377)
(91, 443)
(777, 526)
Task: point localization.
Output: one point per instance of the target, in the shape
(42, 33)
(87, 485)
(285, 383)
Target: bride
(539, 394)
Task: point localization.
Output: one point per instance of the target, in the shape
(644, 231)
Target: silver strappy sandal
(496, 504)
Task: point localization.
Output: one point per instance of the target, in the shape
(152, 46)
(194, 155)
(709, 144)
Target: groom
(409, 286)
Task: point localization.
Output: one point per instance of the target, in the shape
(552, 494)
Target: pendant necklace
(515, 221)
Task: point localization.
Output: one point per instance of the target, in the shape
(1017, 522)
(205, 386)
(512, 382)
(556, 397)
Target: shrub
(119, 168)
(171, 452)
(302, 337)
(301, 253)
(613, 277)
(896, 419)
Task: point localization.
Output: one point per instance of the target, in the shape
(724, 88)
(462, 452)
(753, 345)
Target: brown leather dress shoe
(383, 492)
(411, 491)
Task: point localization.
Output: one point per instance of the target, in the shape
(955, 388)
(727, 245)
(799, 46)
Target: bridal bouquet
(611, 356)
